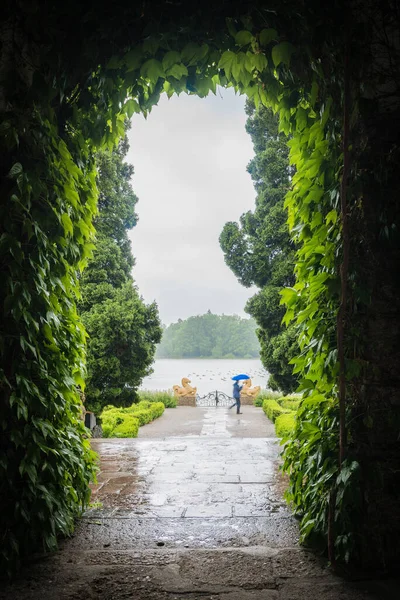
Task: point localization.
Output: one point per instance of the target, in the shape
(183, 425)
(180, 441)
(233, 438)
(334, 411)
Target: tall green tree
(259, 250)
(122, 329)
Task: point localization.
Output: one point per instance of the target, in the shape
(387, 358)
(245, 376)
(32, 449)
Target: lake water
(205, 374)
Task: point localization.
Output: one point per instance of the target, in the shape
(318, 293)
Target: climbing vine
(46, 462)
(54, 200)
(259, 64)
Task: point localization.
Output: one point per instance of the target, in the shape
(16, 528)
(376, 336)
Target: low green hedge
(291, 398)
(284, 424)
(148, 411)
(165, 396)
(127, 429)
(282, 412)
(125, 422)
(273, 410)
(289, 404)
(266, 395)
(110, 418)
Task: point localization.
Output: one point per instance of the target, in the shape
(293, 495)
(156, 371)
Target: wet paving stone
(212, 475)
(212, 510)
(192, 509)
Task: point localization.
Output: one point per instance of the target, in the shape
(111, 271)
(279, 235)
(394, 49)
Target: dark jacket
(236, 390)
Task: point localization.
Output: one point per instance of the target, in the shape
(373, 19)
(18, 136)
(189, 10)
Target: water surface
(205, 374)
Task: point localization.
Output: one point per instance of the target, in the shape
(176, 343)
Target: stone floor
(191, 509)
(215, 473)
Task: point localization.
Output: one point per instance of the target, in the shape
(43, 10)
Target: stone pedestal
(246, 399)
(186, 400)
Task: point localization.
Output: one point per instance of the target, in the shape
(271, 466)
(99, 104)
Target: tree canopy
(122, 329)
(259, 249)
(210, 336)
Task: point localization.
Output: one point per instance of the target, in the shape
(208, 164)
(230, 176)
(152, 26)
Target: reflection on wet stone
(226, 473)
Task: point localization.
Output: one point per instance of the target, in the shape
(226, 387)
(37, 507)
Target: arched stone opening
(323, 69)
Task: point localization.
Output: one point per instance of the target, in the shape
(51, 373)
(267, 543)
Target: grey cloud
(190, 160)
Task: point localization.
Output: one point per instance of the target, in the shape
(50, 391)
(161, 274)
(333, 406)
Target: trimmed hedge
(266, 395)
(282, 412)
(125, 422)
(273, 410)
(285, 424)
(110, 417)
(127, 429)
(147, 411)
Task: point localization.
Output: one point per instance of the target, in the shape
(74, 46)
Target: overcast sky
(190, 159)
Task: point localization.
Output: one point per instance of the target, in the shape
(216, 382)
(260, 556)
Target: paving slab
(191, 421)
(191, 509)
(164, 574)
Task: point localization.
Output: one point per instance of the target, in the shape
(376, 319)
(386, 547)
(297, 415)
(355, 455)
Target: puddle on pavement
(209, 484)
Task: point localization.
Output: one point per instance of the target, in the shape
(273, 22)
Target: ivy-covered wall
(69, 76)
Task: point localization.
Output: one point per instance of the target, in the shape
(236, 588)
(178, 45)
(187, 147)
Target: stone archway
(59, 101)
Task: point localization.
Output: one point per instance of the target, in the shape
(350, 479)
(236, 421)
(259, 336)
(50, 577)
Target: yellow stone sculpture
(247, 390)
(185, 390)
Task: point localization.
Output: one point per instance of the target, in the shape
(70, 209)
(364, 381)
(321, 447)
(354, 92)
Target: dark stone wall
(373, 325)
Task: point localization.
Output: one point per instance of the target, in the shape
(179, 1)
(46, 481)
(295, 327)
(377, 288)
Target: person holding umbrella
(236, 391)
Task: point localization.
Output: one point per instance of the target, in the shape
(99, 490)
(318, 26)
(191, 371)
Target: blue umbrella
(239, 377)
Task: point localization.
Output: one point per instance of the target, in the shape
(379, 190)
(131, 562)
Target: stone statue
(185, 390)
(247, 390)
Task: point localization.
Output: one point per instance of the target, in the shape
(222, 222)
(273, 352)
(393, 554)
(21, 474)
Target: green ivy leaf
(260, 62)
(67, 223)
(130, 107)
(29, 469)
(168, 89)
(152, 69)
(15, 170)
(151, 45)
(326, 111)
(203, 86)
(282, 52)
(71, 194)
(226, 62)
(238, 65)
(48, 333)
(193, 53)
(27, 346)
(242, 38)
(301, 118)
(133, 59)
(177, 71)
(314, 165)
(245, 78)
(171, 58)
(289, 296)
(331, 217)
(79, 380)
(267, 35)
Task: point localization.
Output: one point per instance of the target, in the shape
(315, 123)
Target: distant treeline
(210, 336)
